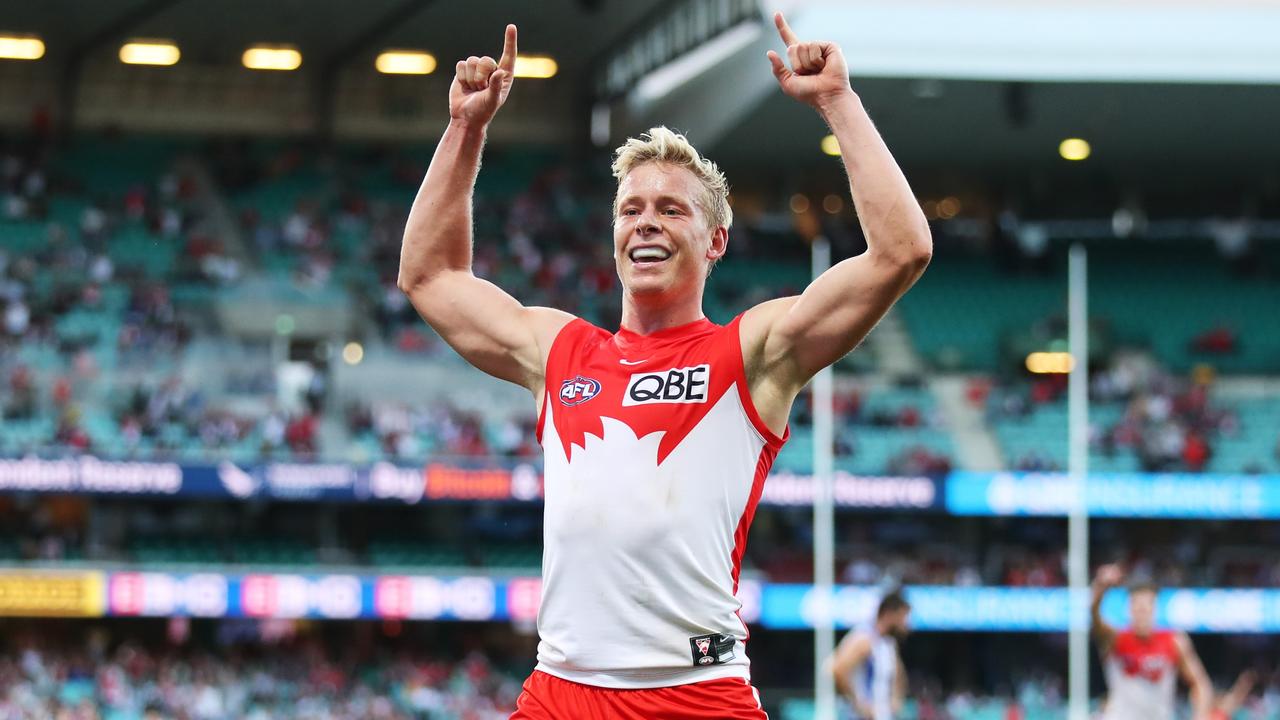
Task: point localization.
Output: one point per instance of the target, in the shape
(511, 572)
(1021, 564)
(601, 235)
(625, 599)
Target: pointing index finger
(508, 61)
(788, 36)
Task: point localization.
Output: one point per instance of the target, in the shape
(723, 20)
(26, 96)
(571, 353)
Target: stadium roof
(1144, 130)
(219, 30)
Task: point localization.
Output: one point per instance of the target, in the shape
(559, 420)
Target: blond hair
(662, 145)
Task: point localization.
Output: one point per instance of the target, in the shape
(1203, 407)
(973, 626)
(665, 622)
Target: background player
(641, 556)
(867, 667)
(1142, 662)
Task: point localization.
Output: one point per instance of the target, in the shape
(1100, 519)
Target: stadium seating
(965, 313)
(1041, 435)
(176, 551)
(286, 681)
(1146, 295)
(965, 309)
(382, 555)
(874, 438)
(241, 478)
(1257, 445)
(526, 558)
(410, 554)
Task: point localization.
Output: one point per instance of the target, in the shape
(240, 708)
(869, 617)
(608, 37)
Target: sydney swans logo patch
(578, 390)
(713, 649)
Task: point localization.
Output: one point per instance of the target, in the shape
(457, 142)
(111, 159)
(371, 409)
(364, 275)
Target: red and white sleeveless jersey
(1142, 675)
(655, 459)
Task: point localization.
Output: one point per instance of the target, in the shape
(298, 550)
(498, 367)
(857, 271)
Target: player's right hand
(1109, 576)
(480, 85)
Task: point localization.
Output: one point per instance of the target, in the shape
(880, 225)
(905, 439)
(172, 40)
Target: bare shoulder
(754, 329)
(855, 646)
(546, 323)
(858, 639)
(765, 359)
(1183, 641)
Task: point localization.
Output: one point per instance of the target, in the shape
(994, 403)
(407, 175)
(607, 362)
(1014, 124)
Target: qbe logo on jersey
(677, 385)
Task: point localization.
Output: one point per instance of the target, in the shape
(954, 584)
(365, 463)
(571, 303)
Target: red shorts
(547, 697)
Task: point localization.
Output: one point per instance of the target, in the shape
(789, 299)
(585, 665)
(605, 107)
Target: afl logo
(578, 390)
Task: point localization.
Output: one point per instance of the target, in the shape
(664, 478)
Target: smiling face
(663, 242)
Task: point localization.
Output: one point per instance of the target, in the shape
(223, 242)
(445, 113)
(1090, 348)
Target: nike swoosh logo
(633, 362)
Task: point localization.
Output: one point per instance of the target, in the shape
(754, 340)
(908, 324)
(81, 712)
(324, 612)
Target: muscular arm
(1103, 634)
(849, 655)
(1197, 679)
(484, 324)
(1234, 699)
(793, 338)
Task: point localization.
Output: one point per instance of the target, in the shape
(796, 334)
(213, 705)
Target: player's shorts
(547, 697)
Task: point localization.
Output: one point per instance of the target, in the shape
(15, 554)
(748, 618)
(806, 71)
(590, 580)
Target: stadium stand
(1143, 420)
(138, 274)
(287, 678)
(241, 478)
(131, 334)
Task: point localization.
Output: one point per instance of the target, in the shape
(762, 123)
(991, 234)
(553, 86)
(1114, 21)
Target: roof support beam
(73, 68)
(326, 80)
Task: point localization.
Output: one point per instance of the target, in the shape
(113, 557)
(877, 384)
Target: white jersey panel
(1134, 697)
(638, 555)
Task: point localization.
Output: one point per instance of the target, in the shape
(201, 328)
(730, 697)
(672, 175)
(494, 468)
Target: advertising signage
(51, 593)
(391, 483)
(1017, 609)
(339, 596)
(481, 598)
(1171, 495)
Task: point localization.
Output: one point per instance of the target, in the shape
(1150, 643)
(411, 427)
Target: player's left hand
(818, 74)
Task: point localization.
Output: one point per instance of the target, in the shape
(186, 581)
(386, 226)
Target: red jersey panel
(654, 462)
(546, 697)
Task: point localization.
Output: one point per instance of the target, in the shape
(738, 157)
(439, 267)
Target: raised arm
(1197, 679)
(795, 337)
(1233, 700)
(484, 324)
(1108, 577)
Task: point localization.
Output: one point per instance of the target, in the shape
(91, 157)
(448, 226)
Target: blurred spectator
(1195, 452)
(1218, 341)
(20, 403)
(1169, 423)
(270, 683)
(300, 434)
(919, 460)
